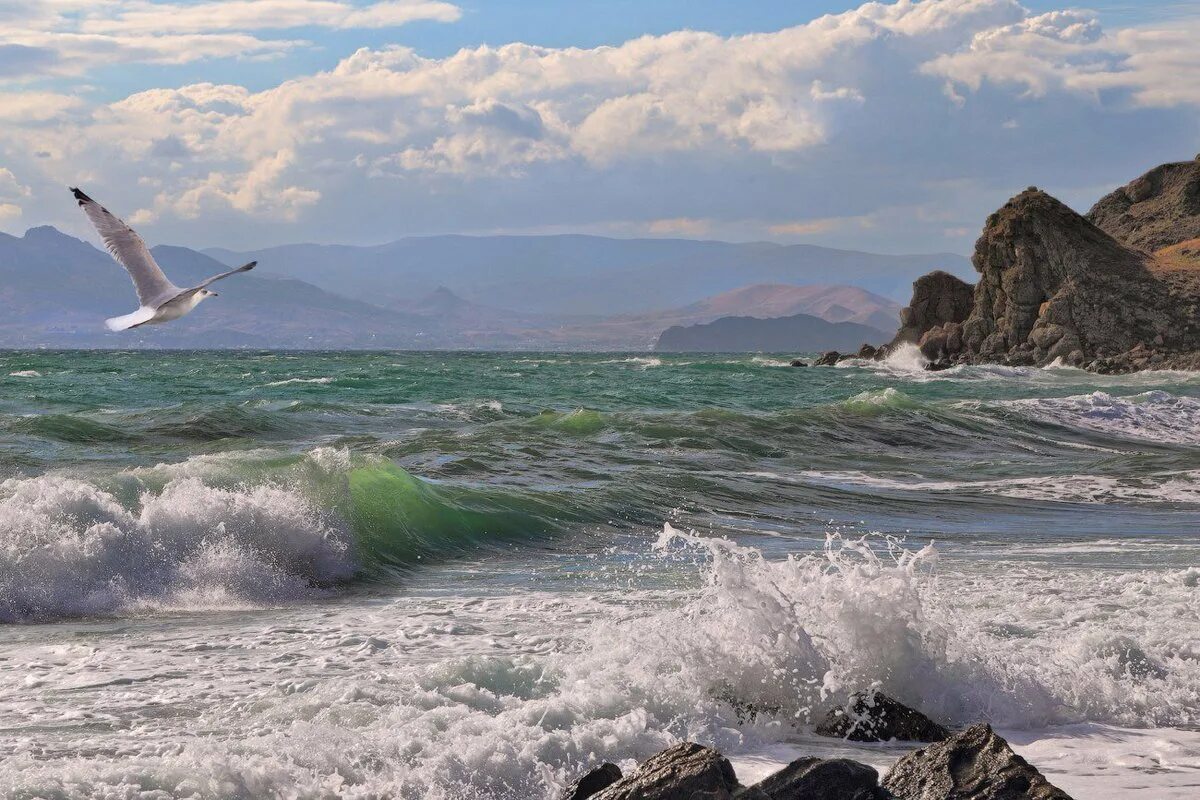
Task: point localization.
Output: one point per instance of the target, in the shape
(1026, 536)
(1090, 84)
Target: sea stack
(1055, 286)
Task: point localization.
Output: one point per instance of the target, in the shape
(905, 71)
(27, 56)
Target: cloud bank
(893, 124)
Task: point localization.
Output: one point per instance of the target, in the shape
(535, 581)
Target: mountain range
(587, 275)
(443, 292)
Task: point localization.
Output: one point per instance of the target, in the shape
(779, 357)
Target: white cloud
(64, 37)
(823, 124)
(246, 15)
(34, 106)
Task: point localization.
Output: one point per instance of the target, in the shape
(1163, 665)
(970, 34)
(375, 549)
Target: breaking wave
(237, 530)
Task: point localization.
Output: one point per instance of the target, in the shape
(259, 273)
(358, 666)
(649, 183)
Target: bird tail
(139, 317)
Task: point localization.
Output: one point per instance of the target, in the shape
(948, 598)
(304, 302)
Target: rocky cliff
(1116, 291)
(1158, 210)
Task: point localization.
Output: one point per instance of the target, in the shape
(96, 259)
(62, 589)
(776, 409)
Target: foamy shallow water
(448, 576)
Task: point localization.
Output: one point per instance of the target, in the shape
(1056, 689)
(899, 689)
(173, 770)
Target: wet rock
(593, 782)
(867, 351)
(799, 362)
(822, 779)
(682, 772)
(975, 764)
(828, 359)
(875, 717)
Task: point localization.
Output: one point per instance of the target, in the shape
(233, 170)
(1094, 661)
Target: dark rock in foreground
(682, 772)
(828, 359)
(593, 782)
(799, 362)
(822, 779)
(975, 764)
(875, 717)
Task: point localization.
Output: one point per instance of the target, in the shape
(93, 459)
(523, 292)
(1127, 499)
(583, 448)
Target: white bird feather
(160, 300)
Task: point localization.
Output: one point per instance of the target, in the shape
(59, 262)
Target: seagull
(161, 301)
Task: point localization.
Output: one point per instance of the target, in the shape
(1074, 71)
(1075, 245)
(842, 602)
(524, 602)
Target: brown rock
(975, 764)
(1157, 210)
(822, 779)
(938, 298)
(828, 359)
(682, 772)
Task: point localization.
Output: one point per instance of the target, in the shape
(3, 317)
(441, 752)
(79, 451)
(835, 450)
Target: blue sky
(891, 126)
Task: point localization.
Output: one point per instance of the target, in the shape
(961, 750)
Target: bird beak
(213, 294)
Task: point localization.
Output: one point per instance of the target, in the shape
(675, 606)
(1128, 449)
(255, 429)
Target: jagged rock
(938, 298)
(822, 779)
(1051, 283)
(875, 717)
(828, 359)
(682, 772)
(867, 351)
(799, 362)
(975, 764)
(593, 782)
(1155, 211)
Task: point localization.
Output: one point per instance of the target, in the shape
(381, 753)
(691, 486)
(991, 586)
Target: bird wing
(243, 268)
(152, 286)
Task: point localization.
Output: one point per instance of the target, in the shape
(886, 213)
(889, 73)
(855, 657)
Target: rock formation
(875, 717)
(1158, 210)
(938, 298)
(1054, 286)
(828, 779)
(975, 764)
(681, 772)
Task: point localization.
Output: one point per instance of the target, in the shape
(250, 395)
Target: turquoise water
(369, 574)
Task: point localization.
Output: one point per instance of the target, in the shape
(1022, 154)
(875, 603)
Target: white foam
(25, 373)
(299, 380)
(440, 696)
(1155, 416)
(69, 548)
(1163, 487)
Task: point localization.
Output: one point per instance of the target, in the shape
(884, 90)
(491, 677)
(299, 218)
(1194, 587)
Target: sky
(883, 126)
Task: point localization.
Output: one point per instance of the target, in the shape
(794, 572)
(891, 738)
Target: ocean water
(439, 575)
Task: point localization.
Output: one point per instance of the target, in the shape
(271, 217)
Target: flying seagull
(161, 301)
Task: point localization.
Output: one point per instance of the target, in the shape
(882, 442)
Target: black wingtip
(80, 196)
(250, 266)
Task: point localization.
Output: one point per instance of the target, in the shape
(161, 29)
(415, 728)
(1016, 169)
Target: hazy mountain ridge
(799, 333)
(577, 274)
(57, 290)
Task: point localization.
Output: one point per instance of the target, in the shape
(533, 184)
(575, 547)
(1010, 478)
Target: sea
(466, 576)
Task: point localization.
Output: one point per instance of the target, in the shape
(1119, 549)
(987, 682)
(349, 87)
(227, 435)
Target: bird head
(207, 293)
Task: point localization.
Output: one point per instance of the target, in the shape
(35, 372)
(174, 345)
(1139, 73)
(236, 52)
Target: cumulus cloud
(11, 193)
(841, 126)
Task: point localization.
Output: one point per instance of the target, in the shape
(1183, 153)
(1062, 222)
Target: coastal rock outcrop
(827, 779)
(975, 764)
(875, 717)
(1055, 287)
(1157, 210)
(682, 772)
(938, 298)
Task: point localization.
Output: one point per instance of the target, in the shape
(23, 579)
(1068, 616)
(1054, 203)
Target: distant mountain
(589, 275)
(830, 303)
(640, 331)
(799, 333)
(56, 291)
